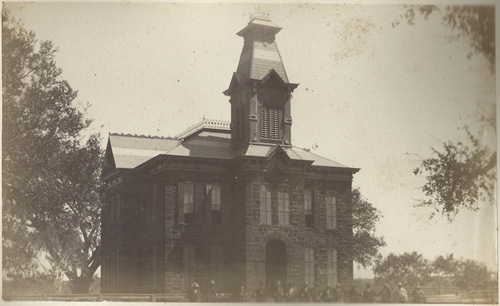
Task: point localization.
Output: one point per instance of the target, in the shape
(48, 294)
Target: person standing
(354, 295)
(305, 294)
(211, 293)
(243, 292)
(194, 294)
(402, 294)
(260, 293)
(292, 293)
(418, 295)
(386, 293)
(279, 292)
(316, 293)
(327, 295)
(338, 294)
(368, 294)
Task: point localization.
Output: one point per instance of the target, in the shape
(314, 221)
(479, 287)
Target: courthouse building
(234, 202)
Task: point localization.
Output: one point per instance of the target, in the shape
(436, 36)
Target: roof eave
(272, 73)
(234, 82)
(272, 28)
(349, 169)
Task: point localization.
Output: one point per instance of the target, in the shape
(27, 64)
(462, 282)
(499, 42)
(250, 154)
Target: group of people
(290, 293)
(278, 292)
(306, 293)
(336, 294)
(388, 295)
(195, 294)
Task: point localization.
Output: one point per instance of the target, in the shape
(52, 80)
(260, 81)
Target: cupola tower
(259, 91)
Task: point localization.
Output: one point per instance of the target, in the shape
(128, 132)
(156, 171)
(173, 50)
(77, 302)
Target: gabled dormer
(259, 91)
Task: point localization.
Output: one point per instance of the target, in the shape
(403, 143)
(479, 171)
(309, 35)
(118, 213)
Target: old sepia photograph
(252, 152)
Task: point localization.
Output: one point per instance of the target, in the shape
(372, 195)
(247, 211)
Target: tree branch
(491, 164)
(96, 262)
(94, 255)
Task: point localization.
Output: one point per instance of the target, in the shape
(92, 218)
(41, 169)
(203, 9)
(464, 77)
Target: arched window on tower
(271, 112)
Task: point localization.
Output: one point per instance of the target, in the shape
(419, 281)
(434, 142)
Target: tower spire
(260, 53)
(259, 90)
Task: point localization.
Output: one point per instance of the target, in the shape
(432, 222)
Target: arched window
(271, 112)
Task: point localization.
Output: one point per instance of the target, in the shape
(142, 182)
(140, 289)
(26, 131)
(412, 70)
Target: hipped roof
(129, 151)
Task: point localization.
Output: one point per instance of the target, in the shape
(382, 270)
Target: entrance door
(276, 262)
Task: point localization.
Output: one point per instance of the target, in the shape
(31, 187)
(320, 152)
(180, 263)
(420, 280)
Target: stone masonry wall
(152, 241)
(296, 236)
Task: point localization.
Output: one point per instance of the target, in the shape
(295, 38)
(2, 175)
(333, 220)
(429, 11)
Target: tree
(461, 174)
(20, 248)
(50, 173)
(444, 269)
(411, 269)
(365, 244)
(476, 24)
(472, 275)
(458, 176)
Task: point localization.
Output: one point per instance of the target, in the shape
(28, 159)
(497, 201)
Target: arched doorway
(276, 262)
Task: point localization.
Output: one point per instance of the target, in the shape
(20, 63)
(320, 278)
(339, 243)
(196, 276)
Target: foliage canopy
(50, 173)
(365, 217)
(462, 174)
(412, 269)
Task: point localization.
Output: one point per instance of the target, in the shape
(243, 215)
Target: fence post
(153, 298)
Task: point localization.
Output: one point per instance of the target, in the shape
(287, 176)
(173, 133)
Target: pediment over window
(274, 80)
(277, 161)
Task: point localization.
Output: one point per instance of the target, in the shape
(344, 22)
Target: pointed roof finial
(259, 13)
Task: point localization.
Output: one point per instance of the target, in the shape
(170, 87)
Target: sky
(371, 96)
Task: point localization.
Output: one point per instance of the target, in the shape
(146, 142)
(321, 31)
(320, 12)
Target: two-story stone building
(231, 202)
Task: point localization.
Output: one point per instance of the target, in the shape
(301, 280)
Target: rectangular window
(275, 124)
(270, 123)
(283, 206)
(308, 208)
(309, 266)
(332, 267)
(265, 205)
(264, 122)
(189, 265)
(186, 202)
(331, 210)
(213, 196)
